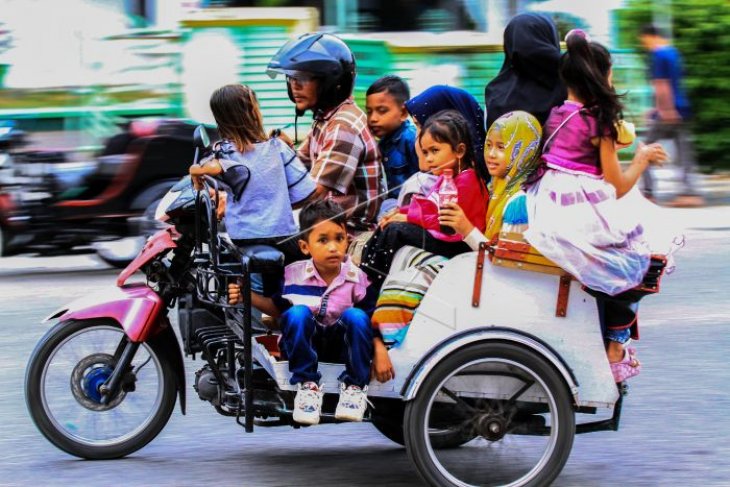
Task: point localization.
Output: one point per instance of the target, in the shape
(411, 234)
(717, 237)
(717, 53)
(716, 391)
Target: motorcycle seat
(262, 259)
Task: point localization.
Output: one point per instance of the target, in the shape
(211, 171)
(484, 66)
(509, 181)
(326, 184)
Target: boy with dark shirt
(388, 120)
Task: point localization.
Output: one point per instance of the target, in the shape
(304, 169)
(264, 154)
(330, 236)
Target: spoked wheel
(388, 420)
(513, 404)
(62, 387)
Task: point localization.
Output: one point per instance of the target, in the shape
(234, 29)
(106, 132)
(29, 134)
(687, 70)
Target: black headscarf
(529, 78)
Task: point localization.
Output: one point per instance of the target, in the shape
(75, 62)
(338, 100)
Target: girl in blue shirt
(265, 178)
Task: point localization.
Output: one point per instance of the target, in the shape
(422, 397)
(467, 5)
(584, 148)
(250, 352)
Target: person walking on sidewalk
(671, 112)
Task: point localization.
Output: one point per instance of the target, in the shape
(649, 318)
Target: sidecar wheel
(62, 391)
(510, 400)
(387, 417)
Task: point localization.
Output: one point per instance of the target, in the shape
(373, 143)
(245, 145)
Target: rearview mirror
(200, 137)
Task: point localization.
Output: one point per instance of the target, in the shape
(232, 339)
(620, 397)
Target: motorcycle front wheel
(63, 378)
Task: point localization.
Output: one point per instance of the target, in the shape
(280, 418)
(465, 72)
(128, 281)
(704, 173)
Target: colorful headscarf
(521, 133)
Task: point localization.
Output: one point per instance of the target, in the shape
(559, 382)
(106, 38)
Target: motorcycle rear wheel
(62, 391)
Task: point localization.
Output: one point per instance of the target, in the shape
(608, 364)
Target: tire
(387, 417)
(491, 390)
(72, 417)
(388, 420)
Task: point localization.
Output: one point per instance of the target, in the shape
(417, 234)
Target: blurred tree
(700, 32)
(566, 22)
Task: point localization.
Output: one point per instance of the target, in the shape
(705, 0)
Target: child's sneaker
(352, 404)
(307, 403)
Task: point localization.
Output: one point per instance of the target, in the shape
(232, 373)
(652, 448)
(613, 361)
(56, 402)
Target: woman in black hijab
(529, 77)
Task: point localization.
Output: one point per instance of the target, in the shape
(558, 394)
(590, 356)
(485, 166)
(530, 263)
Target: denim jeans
(305, 342)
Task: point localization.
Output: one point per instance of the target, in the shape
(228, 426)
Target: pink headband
(579, 33)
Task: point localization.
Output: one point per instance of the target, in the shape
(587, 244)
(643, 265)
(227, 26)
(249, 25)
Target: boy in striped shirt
(317, 316)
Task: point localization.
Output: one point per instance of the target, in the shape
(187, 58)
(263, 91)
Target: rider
(264, 176)
(340, 150)
(579, 215)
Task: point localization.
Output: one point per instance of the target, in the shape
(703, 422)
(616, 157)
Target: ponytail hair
(585, 68)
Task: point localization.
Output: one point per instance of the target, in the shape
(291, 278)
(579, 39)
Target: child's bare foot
(614, 350)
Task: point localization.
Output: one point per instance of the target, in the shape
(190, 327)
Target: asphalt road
(673, 430)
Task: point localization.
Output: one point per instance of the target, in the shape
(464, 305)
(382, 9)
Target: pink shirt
(303, 285)
(570, 148)
(472, 198)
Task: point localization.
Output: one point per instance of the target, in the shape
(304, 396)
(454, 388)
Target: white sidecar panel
(279, 371)
(518, 300)
(511, 299)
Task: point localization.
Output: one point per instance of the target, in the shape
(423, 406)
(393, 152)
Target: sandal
(626, 368)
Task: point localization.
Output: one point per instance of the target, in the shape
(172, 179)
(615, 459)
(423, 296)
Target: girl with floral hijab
(511, 153)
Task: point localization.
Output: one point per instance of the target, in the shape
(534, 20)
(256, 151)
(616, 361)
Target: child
(511, 155)
(265, 177)
(445, 142)
(388, 120)
(340, 150)
(421, 107)
(576, 217)
(317, 318)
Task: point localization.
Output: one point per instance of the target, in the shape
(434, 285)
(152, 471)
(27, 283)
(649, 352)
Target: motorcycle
(54, 204)
(480, 394)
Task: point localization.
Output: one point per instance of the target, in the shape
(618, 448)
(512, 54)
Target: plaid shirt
(343, 156)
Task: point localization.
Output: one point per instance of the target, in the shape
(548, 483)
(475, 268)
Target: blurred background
(98, 98)
(98, 101)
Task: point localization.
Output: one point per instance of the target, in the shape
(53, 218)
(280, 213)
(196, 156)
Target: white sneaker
(308, 403)
(352, 404)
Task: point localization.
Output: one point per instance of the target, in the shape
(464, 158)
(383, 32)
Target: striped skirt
(412, 272)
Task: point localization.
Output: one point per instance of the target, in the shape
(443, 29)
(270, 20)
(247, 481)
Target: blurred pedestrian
(529, 78)
(668, 119)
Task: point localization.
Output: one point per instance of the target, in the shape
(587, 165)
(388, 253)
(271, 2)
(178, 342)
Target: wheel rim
(69, 389)
(492, 399)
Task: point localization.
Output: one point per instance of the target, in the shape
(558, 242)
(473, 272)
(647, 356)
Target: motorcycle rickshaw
(484, 394)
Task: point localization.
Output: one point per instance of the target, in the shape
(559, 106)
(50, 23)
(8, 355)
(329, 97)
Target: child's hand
(220, 210)
(396, 217)
(653, 154)
(234, 293)
(382, 368)
(453, 216)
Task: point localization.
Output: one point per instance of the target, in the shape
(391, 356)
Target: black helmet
(323, 55)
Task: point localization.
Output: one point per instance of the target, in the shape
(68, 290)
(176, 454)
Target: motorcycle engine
(207, 386)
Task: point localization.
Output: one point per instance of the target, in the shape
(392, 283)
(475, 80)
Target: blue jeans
(305, 342)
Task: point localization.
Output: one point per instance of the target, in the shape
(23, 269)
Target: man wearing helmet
(340, 150)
